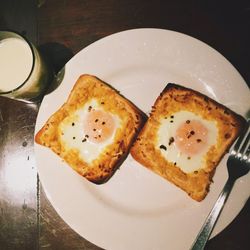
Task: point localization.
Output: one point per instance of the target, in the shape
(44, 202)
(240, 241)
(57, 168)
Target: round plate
(137, 209)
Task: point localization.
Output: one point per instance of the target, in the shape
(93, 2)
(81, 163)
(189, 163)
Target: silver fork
(238, 164)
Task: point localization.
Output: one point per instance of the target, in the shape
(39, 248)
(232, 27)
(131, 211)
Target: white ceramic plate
(137, 209)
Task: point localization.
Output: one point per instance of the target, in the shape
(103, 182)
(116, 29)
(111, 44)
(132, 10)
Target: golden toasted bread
(185, 137)
(93, 130)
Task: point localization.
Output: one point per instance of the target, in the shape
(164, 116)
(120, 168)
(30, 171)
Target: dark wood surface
(61, 28)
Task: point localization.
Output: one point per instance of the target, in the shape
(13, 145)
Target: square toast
(93, 152)
(170, 146)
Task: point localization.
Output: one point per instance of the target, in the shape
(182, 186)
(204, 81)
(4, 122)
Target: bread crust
(176, 98)
(86, 88)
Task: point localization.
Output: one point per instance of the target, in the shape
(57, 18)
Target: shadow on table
(56, 56)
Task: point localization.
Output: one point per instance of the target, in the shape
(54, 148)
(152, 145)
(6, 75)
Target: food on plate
(185, 137)
(93, 130)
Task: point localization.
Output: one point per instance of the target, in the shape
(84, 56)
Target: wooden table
(61, 28)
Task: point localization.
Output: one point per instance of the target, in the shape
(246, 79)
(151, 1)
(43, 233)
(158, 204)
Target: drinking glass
(24, 74)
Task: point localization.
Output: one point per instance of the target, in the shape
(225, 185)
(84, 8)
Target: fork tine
(246, 152)
(245, 144)
(241, 144)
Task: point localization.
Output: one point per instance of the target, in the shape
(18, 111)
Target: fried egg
(184, 138)
(89, 130)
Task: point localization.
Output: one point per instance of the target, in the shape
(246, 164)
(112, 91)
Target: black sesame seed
(163, 147)
(172, 116)
(94, 129)
(102, 102)
(187, 121)
(171, 140)
(189, 158)
(73, 124)
(96, 120)
(84, 140)
(175, 163)
(103, 123)
(198, 140)
(74, 137)
(192, 132)
(86, 136)
(171, 121)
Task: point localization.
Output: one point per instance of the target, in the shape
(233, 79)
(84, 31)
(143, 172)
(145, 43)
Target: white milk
(16, 61)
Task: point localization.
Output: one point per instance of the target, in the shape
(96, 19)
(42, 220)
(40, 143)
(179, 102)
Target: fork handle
(209, 224)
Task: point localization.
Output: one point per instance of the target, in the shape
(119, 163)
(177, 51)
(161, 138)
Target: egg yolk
(98, 126)
(191, 137)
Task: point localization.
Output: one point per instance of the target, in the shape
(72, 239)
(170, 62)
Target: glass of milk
(23, 73)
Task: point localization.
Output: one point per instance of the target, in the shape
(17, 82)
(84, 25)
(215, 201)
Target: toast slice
(93, 130)
(185, 137)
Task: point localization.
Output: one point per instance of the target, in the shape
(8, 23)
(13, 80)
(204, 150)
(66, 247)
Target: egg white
(172, 154)
(71, 132)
